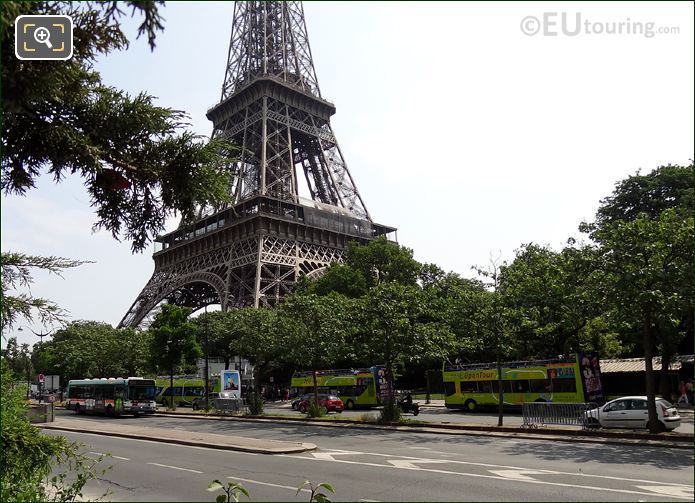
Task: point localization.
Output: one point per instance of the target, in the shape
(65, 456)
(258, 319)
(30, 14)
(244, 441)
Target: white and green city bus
(572, 379)
(112, 396)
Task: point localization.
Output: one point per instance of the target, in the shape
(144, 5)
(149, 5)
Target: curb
(305, 446)
(680, 442)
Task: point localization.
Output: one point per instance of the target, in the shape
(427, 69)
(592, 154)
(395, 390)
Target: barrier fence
(230, 405)
(542, 413)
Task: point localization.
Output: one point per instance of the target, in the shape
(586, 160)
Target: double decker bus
(572, 379)
(357, 388)
(184, 390)
(112, 396)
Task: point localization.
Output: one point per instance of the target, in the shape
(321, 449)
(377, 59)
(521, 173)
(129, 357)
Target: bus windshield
(141, 392)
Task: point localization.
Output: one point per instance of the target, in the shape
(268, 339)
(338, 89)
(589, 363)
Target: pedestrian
(682, 394)
(689, 390)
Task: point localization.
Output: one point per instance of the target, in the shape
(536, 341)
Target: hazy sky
(467, 134)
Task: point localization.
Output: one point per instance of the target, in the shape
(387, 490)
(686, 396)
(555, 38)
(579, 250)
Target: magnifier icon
(43, 36)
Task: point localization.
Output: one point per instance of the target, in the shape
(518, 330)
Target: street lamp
(207, 361)
(40, 336)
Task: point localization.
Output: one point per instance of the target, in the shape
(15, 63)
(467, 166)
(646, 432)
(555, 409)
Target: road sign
(42, 378)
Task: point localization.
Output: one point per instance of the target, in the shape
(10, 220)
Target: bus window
(564, 386)
(485, 386)
(449, 388)
(539, 385)
(520, 386)
(120, 392)
(141, 392)
(175, 391)
(469, 386)
(194, 390)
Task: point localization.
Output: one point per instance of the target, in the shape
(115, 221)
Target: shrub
(255, 404)
(315, 410)
(390, 413)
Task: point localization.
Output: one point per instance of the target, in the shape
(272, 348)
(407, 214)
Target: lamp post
(40, 336)
(207, 361)
(171, 375)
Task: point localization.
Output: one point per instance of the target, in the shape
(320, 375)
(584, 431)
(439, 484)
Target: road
(371, 465)
(444, 415)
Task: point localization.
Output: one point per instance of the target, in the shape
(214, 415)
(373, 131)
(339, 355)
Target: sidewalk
(167, 435)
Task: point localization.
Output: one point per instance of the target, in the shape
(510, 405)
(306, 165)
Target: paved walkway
(211, 440)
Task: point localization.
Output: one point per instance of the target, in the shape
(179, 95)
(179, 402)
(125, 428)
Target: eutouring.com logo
(555, 24)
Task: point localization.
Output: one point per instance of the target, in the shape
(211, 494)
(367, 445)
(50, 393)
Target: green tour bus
(357, 388)
(572, 379)
(112, 396)
(185, 389)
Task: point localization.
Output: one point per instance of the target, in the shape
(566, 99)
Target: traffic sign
(42, 378)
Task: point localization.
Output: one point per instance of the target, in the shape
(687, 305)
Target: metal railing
(231, 405)
(543, 413)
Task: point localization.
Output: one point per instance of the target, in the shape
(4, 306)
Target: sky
(471, 127)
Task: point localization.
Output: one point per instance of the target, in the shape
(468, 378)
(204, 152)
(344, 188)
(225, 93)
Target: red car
(330, 403)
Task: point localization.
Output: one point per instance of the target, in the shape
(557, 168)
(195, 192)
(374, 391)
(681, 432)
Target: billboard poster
(591, 377)
(231, 383)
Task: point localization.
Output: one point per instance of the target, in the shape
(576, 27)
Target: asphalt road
(380, 465)
(444, 415)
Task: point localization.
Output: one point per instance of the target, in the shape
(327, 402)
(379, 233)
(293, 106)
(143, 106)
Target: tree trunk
(500, 404)
(316, 388)
(649, 372)
(227, 362)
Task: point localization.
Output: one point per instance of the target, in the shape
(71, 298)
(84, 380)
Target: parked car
(631, 412)
(306, 396)
(330, 403)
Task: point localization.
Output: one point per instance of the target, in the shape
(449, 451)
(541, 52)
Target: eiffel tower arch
(252, 253)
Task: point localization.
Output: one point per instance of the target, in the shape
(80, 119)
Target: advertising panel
(231, 383)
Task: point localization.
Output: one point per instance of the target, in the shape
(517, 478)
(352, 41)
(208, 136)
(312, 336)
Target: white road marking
(482, 476)
(422, 448)
(119, 457)
(678, 492)
(268, 484)
(516, 474)
(175, 467)
(522, 468)
(375, 501)
(96, 453)
(405, 463)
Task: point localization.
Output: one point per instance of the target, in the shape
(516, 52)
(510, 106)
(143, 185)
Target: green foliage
(666, 187)
(86, 349)
(316, 495)
(389, 413)
(258, 339)
(16, 273)
(223, 334)
(173, 342)
(232, 490)
(137, 162)
(36, 467)
(315, 409)
(342, 279)
(381, 261)
(18, 359)
(255, 404)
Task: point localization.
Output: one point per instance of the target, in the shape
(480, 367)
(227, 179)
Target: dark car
(330, 403)
(199, 401)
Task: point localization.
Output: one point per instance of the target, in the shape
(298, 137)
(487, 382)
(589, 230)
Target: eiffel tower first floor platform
(248, 255)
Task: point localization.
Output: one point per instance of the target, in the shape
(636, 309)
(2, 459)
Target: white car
(631, 412)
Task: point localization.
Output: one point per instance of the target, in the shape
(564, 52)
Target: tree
(221, 330)
(647, 266)
(137, 162)
(173, 341)
(315, 331)
(398, 326)
(34, 464)
(382, 261)
(18, 359)
(666, 187)
(258, 340)
(16, 273)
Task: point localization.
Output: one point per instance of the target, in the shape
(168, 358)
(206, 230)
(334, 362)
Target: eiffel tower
(251, 253)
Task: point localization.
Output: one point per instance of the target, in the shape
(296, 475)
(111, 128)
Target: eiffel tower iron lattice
(252, 253)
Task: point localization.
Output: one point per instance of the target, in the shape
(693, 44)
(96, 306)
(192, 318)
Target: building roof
(637, 364)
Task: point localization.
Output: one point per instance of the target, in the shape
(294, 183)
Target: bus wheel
(77, 408)
(540, 400)
(471, 405)
(349, 405)
(109, 411)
